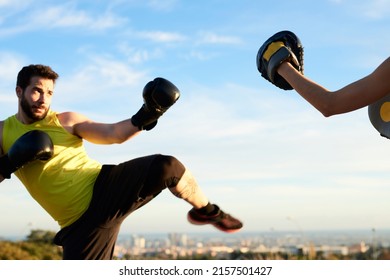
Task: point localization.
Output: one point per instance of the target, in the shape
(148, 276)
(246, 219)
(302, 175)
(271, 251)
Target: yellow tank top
(63, 185)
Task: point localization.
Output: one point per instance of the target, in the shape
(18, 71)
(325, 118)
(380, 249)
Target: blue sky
(262, 154)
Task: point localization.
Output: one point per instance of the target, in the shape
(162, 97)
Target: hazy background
(261, 153)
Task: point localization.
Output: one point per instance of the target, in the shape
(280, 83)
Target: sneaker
(220, 220)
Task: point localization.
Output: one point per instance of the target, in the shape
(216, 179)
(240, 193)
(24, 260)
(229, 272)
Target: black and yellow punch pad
(379, 114)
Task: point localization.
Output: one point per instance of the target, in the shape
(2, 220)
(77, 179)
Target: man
(90, 200)
(279, 61)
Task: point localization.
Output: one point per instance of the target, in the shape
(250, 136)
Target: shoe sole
(199, 223)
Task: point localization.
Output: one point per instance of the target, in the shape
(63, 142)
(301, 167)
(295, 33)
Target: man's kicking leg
(203, 212)
(169, 172)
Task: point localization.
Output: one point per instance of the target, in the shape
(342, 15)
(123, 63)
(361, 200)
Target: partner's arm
(351, 97)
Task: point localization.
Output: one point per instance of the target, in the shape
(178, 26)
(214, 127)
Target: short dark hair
(34, 70)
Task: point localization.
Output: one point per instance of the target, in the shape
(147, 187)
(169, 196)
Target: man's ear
(18, 91)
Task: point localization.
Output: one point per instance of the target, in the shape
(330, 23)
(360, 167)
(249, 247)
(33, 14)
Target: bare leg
(188, 189)
(203, 212)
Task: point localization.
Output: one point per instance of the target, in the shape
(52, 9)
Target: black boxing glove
(33, 145)
(159, 95)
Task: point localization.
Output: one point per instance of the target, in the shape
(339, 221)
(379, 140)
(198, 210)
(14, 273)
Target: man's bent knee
(165, 172)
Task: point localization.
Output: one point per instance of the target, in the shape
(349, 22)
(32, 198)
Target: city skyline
(273, 245)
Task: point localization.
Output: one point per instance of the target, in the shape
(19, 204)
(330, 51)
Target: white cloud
(203, 56)
(10, 64)
(5, 2)
(100, 81)
(162, 37)
(212, 38)
(138, 55)
(60, 16)
(14, 3)
(68, 16)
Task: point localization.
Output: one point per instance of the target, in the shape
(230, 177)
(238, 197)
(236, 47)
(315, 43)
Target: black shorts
(118, 191)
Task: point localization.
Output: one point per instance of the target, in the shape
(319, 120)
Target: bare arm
(351, 97)
(98, 133)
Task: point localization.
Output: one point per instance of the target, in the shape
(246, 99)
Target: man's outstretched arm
(158, 95)
(353, 96)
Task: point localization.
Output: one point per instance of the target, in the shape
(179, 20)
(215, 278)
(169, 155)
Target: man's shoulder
(70, 118)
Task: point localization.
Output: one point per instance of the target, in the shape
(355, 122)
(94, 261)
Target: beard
(28, 110)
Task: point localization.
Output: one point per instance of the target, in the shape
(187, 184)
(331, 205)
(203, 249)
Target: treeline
(37, 246)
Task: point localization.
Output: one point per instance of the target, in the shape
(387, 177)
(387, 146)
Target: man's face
(35, 100)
